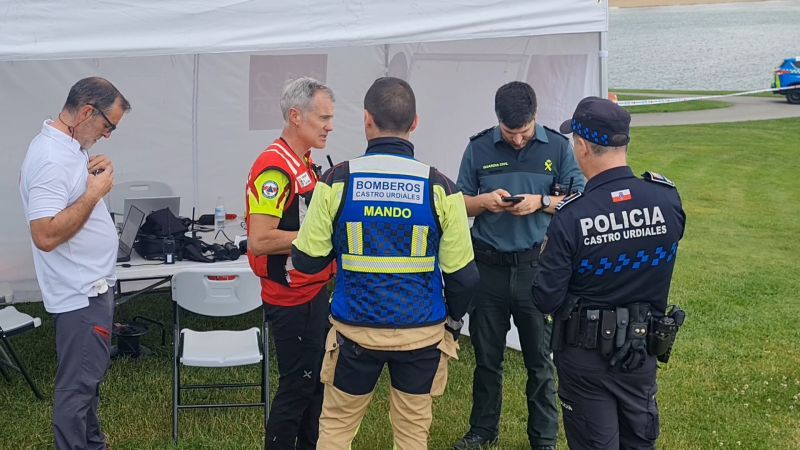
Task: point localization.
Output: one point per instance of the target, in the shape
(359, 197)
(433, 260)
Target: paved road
(743, 109)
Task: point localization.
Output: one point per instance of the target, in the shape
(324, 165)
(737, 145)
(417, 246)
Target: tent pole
(603, 64)
(386, 60)
(195, 145)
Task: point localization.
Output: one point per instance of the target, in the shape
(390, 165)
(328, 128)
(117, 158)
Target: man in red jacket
(279, 189)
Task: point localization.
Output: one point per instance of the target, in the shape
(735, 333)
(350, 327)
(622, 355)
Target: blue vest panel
(386, 239)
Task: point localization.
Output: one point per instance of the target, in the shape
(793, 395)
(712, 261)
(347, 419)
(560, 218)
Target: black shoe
(544, 447)
(473, 441)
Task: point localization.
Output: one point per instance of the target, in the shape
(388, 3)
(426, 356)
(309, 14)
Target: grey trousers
(83, 344)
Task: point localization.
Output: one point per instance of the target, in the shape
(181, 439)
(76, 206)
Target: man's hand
(99, 163)
(530, 204)
(455, 333)
(453, 327)
(97, 186)
(493, 201)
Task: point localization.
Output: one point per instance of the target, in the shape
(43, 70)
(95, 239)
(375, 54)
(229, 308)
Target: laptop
(150, 204)
(133, 220)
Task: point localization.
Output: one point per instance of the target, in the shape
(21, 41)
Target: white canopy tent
(204, 78)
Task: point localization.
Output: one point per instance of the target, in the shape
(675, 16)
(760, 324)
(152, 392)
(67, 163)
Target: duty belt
(489, 256)
(605, 329)
(619, 333)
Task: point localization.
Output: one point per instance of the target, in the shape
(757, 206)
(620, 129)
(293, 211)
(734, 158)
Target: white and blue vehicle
(785, 76)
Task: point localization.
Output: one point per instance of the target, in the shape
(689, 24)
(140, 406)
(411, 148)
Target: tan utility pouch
(330, 358)
(449, 348)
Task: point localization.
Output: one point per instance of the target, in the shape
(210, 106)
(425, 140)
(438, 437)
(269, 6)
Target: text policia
(623, 225)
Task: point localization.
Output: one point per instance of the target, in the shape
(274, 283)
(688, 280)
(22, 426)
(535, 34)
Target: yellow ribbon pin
(548, 165)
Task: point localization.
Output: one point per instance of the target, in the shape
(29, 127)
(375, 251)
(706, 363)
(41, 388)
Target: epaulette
(657, 178)
(556, 132)
(568, 199)
(480, 133)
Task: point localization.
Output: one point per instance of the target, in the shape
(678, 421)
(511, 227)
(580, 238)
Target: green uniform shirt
(489, 163)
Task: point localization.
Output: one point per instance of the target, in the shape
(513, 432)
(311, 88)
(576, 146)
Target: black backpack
(161, 229)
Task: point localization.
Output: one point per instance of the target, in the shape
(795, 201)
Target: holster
(561, 318)
(664, 330)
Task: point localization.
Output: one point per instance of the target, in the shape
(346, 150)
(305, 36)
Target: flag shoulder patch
(623, 195)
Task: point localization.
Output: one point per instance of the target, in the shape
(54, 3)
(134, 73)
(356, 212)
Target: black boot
(474, 441)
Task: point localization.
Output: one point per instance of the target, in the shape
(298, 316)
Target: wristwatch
(454, 324)
(545, 201)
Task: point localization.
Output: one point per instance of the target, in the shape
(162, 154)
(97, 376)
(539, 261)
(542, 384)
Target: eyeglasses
(110, 127)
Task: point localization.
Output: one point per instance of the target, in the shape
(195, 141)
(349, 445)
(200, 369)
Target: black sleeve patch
(441, 179)
(657, 178)
(568, 199)
(480, 133)
(337, 173)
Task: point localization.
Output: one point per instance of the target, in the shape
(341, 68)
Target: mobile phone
(513, 199)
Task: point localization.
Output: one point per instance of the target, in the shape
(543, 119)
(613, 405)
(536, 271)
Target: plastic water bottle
(219, 215)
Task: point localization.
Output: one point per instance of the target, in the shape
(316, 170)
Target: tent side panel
(239, 111)
(153, 141)
(455, 84)
(236, 96)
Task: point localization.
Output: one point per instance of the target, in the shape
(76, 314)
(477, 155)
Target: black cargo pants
(299, 333)
(505, 291)
(603, 407)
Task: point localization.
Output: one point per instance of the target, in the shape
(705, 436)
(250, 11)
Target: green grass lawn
(692, 105)
(733, 381)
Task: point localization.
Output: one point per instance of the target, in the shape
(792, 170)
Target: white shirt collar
(57, 135)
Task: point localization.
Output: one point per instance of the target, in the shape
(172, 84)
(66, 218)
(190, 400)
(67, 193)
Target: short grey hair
(599, 150)
(298, 93)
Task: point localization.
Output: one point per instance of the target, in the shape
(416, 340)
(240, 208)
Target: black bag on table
(160, 229)
(162, 226)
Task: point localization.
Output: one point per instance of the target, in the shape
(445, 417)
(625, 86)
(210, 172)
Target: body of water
(730, 46)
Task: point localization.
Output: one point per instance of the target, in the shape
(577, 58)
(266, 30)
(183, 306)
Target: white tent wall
(226, 145)
(31, 91)
(190, 124)
(196, 140)
(455, 84)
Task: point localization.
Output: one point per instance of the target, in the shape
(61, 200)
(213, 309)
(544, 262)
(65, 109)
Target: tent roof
(52, 29)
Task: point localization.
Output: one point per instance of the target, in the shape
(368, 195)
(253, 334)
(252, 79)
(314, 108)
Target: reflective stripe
(419, 240)
(289, 163)
(388, 264)
(355, 238)
(289, 154)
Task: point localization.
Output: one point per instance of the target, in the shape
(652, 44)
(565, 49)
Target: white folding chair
(134, 189)
(12, 323)
(217, 292)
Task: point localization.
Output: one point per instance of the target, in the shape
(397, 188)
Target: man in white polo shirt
(74, 250)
